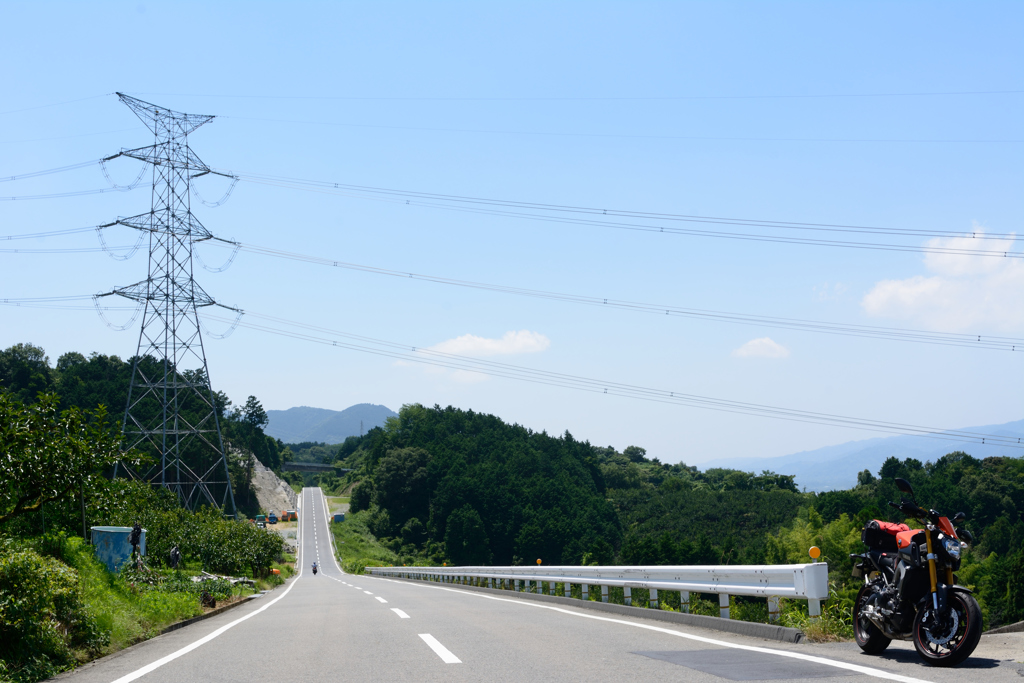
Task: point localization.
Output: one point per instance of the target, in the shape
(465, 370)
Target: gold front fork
(931, 566)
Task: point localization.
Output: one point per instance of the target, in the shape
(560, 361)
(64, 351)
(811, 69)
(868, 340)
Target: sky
(907, 116)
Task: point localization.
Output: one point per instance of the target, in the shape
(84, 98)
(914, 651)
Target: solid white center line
(440, 650)
(400, 613)
(382, 600)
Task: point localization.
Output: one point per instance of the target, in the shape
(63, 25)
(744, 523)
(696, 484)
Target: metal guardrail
(796, 581)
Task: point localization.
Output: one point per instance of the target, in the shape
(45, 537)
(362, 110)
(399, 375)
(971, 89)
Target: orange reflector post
(814, 552)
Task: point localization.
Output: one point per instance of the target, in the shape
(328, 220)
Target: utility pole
(171, 412)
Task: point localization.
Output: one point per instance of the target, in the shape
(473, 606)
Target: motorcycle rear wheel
(953, 641)
(868, 636)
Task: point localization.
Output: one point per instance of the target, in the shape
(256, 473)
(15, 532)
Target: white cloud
(764, 347)
(510, 343)
(829, 292)
(962, 293)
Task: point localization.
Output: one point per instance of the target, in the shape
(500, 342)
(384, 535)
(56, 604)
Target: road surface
(340, 627)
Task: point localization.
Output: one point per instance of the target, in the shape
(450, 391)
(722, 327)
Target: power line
(79, 193)
(963, 340)
(51, 233)
(428, 356)
(55, 104)
(49, 171)
(865, 331)
(68, 137)
(664, 98)
(397, 195)
(574, 134)
(559, 217)
(616, 213)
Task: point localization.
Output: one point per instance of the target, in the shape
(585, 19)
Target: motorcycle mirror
(959, 517)
(965, 535)
(904, 486)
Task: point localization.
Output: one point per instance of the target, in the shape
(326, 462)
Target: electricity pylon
(171, 413)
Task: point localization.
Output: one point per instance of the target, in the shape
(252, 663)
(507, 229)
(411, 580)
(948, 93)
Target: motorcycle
(314, 569)
(910, 591)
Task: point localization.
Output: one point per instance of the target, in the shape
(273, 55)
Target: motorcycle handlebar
(909, 509)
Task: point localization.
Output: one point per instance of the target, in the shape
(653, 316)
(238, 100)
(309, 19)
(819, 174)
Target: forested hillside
(100, 380)
(443, 484)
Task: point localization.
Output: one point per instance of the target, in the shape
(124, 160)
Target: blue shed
(339, 516)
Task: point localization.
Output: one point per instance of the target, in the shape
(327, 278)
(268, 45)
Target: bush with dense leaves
(43, 618)
(219, 545)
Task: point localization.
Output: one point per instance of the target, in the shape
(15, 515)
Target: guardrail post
(490, 583)
(604, 593)
(653, 602)
(684, 602)
(551, 587)
(517, 585)
(773, 608)
(723, 605)
(585, 591)
(627, 595)
(568, 589)
(814, 608)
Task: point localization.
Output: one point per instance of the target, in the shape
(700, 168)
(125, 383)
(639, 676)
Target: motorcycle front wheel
(951, 639)
(868, 636)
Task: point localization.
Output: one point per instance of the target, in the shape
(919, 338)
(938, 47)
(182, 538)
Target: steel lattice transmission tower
(171, 411)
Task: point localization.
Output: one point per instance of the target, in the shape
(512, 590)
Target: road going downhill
(335, 626)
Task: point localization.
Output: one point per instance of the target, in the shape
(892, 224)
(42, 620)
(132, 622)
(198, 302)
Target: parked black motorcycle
(910, 591)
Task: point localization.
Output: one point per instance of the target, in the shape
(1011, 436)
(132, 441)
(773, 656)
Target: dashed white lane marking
(368, 592)
(400, 613)
(866, 670)
(444, 653)
(382, 600)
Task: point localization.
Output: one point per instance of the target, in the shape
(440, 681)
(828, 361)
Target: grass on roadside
(357, 548)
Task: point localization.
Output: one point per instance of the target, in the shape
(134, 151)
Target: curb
(781, 634)
(1011, 628)
(211, 613)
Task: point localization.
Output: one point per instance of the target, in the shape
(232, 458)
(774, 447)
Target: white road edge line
(400, 613)
(327, 522)
(866, 670)
(440, 650)
(139, 673)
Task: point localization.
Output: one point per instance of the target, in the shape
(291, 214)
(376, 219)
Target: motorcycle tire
(957, 636)
(869, 637)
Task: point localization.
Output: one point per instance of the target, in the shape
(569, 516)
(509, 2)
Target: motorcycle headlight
(952, 547)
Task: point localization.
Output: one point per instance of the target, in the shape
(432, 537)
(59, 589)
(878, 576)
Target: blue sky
(808, 112)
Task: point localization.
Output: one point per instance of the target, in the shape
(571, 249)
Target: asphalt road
(339, 627)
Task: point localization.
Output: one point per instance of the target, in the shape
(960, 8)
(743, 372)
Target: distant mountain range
(836, 467)
(303, 423)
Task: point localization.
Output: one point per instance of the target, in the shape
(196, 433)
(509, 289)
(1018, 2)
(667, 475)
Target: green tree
(25, 372)
(49, 454)
(466, 539)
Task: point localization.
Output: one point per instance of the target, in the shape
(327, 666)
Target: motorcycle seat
(884, 560)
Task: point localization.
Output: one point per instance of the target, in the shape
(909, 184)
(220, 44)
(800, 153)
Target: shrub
(43, 618)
